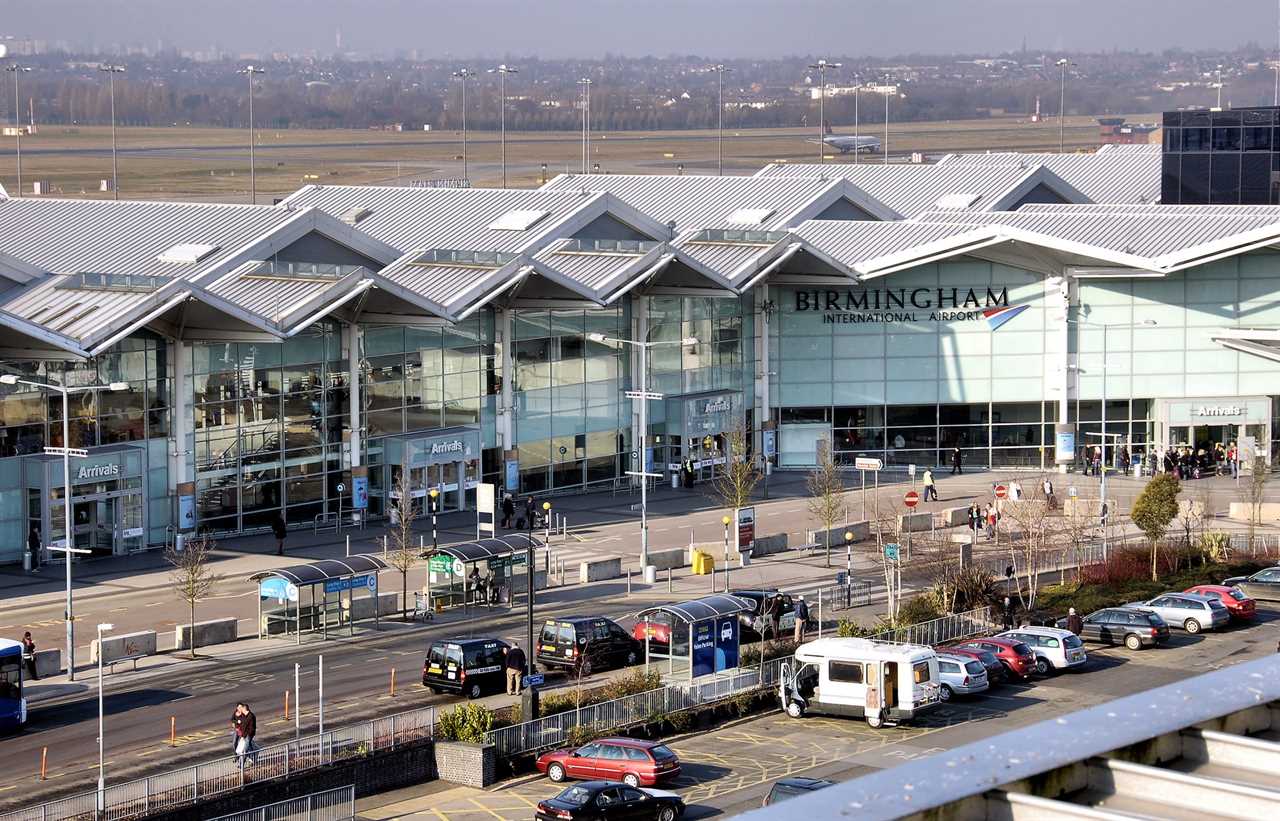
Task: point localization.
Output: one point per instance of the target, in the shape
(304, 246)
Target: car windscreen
(1237, 594)
(661, 751)
(781, 791)
(577, 796)
(1073, 642)
(1215, 604)
(549, 633)
(1022, 649)
(435, 656)
(973, 668)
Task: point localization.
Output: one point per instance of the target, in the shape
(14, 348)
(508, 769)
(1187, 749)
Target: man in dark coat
(956, 461)
(514, 665)
(280, 530)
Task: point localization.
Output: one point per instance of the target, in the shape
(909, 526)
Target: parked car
(1055, 649)
(792, 786)
(1189, 611)
(1239, 606)
(609, 800)
(633, 761)
(1017, 658)
(657, 629)
(1263, 585)
(470, 667)
(960, 676)
(753, 620)
(1130, 626)
(996, 671)
(587, 643)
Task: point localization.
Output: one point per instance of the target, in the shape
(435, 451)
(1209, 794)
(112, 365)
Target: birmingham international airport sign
(909, 305)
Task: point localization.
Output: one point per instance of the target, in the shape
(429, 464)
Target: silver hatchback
(961, 676)
(1190, 611)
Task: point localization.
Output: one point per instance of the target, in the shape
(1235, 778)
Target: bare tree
(404, 555)
(191, 577)
(880, 525)
(1027, 544)
(826, 489)
(733, 486)
(1076, 524)
(1252, 494)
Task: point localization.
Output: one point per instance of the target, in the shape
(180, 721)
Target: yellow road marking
(486, 809)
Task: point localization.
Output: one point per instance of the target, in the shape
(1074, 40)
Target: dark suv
(753, 621)
(470, 667)
(1129, 626)
(586, 643)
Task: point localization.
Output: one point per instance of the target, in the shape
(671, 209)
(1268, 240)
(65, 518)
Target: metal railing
(977, 622)
(331, 805)
(144, 796)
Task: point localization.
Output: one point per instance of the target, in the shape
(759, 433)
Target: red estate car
(1016, 656)
(996, 672)
(633, 761)
(1239, 606)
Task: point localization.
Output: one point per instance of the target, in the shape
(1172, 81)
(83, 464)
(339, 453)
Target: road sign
(1071, 491)
(342, 488)
(891, 551)
(350, 583)
(440, 564)
(1001, 491)
(708, 443)
(911, 470)
(911, 499)
(534, 680)
(458, 569)
(866, 463)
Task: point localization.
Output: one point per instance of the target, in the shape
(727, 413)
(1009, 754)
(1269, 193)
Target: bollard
(628, 582)
(173, 731)
(670, 589)
(819, 612)
(348, 544)
(393, 681)
(44, 762)
(384, 547)
(286, 705)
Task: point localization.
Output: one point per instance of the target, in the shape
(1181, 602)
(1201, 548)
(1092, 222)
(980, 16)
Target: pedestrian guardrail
(977, 622)
(331, 805)
(177, 788)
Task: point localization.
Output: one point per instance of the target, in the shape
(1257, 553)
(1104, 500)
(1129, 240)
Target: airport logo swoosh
(998, 316)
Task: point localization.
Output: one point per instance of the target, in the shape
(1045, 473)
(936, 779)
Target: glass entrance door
(445, 477)
(94, 525)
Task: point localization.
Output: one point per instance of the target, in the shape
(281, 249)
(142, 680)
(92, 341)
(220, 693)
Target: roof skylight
(518, 220)
(188, 253)
(750, 216)
(957, 201)
(132, 283)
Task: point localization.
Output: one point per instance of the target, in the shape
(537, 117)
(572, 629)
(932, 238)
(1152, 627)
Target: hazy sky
(589, 28)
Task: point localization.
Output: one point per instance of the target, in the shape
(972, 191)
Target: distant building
(1116, 131)
(1227, 157)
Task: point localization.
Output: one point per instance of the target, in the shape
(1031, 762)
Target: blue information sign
(1064, 446)
(770, 443)
(534, 680)
(726, 643)
(186, 512)
(891, 552)
(704, 648)
(350, 583)
(513, 476)
(360, 492)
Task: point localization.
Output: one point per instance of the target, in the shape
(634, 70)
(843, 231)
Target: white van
(882, 681)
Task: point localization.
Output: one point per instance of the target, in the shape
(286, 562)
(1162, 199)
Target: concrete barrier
(915, 522)
(595, 570)
(48, 663)
(768, 545)
(954, 516)
(669, 559)
(1267, 511)
(1087, 507)
(124, 646)
(214, 631)
(519, 581)
(861, 532)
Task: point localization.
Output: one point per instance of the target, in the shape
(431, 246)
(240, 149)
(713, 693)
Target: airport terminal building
(275, 358)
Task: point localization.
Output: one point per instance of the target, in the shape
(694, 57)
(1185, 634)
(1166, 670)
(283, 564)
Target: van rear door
(843, 683)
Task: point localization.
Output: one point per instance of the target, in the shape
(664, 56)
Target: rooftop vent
(957, 201)
(519, 220)
(132, 283)
(188, 253)
(356, 214)
(750, 216)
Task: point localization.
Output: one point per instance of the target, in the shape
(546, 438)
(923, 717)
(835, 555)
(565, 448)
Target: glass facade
(1221, 157)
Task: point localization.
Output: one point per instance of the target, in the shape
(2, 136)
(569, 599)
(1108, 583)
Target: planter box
(915, 522)
(669, 559)
(474, 765)
(594, 570)
(126, 646)
(215, 631)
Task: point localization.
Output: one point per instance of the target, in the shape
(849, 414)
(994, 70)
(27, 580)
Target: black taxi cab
(586, 643)
(469, 667)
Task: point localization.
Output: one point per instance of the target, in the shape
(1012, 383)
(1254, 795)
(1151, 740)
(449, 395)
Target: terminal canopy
(707, 607)
(324, 570)
(483, 549)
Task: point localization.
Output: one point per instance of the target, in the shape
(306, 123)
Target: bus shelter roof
(482, 549)
(707, 607)
(324, 570)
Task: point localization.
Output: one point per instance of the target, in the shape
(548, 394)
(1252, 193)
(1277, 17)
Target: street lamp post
(1219, 84)
(821, 67)
(66, 451)
(644, 395)
(585, 83)
(435, 542)
(112, 71)
(529, 578)
(857, 92)
(464, 74)
(720, 70)
(102, 780)
(502, 71)
(17, 116)
(1062, 98)
(249, 71)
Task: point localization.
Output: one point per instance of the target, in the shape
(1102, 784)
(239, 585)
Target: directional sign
(534, 680)
(1001, 491)
(342, 488)
(1071, 491)
(911, 499)
(891, 551)
(866, 463)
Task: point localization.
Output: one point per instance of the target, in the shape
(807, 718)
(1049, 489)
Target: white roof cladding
(911, 189)
(416, 218)
(1113, 174)
(693, 201)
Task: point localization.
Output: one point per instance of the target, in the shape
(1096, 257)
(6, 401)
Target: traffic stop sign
(1001, 491)
(912, 498)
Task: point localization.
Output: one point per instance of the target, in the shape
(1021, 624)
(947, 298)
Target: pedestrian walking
(802, 619)
(237, 732)
(280, 530)
(530, 513)
(33, 546)
(1007, 613)
(975, 517)
(1074, 623)
(508, 510)
(991, 517)
(1233, 456)
(29, 655)
(956, 461)
(930, 489)
(514, 665)
(774, 614)
(1050, 500)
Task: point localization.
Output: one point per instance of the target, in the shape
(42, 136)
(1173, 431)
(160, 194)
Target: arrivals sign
(909, 305)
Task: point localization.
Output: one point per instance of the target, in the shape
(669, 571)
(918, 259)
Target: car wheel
(1043, 666)
(875, 722)
(1133, 642)
(631, 780)
(795, 709)
(667, 814)
(556, 773)
(945, 693)
(586, 667)
(1191, 626)
(474, 691)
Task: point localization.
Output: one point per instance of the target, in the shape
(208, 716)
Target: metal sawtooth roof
(855, 242)
(703, 201)
(1103, 177)
(448, 288)
(597, 264)
(125, 236)
(410, 218)
(82, 314)
(726, 252)
(274, 297)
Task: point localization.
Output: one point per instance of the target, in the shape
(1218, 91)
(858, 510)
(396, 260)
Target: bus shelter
(702, 635)
(332, 588)
(486, 571)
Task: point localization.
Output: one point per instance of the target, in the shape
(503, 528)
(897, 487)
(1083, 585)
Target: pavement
(731, 768)
(135, 593)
